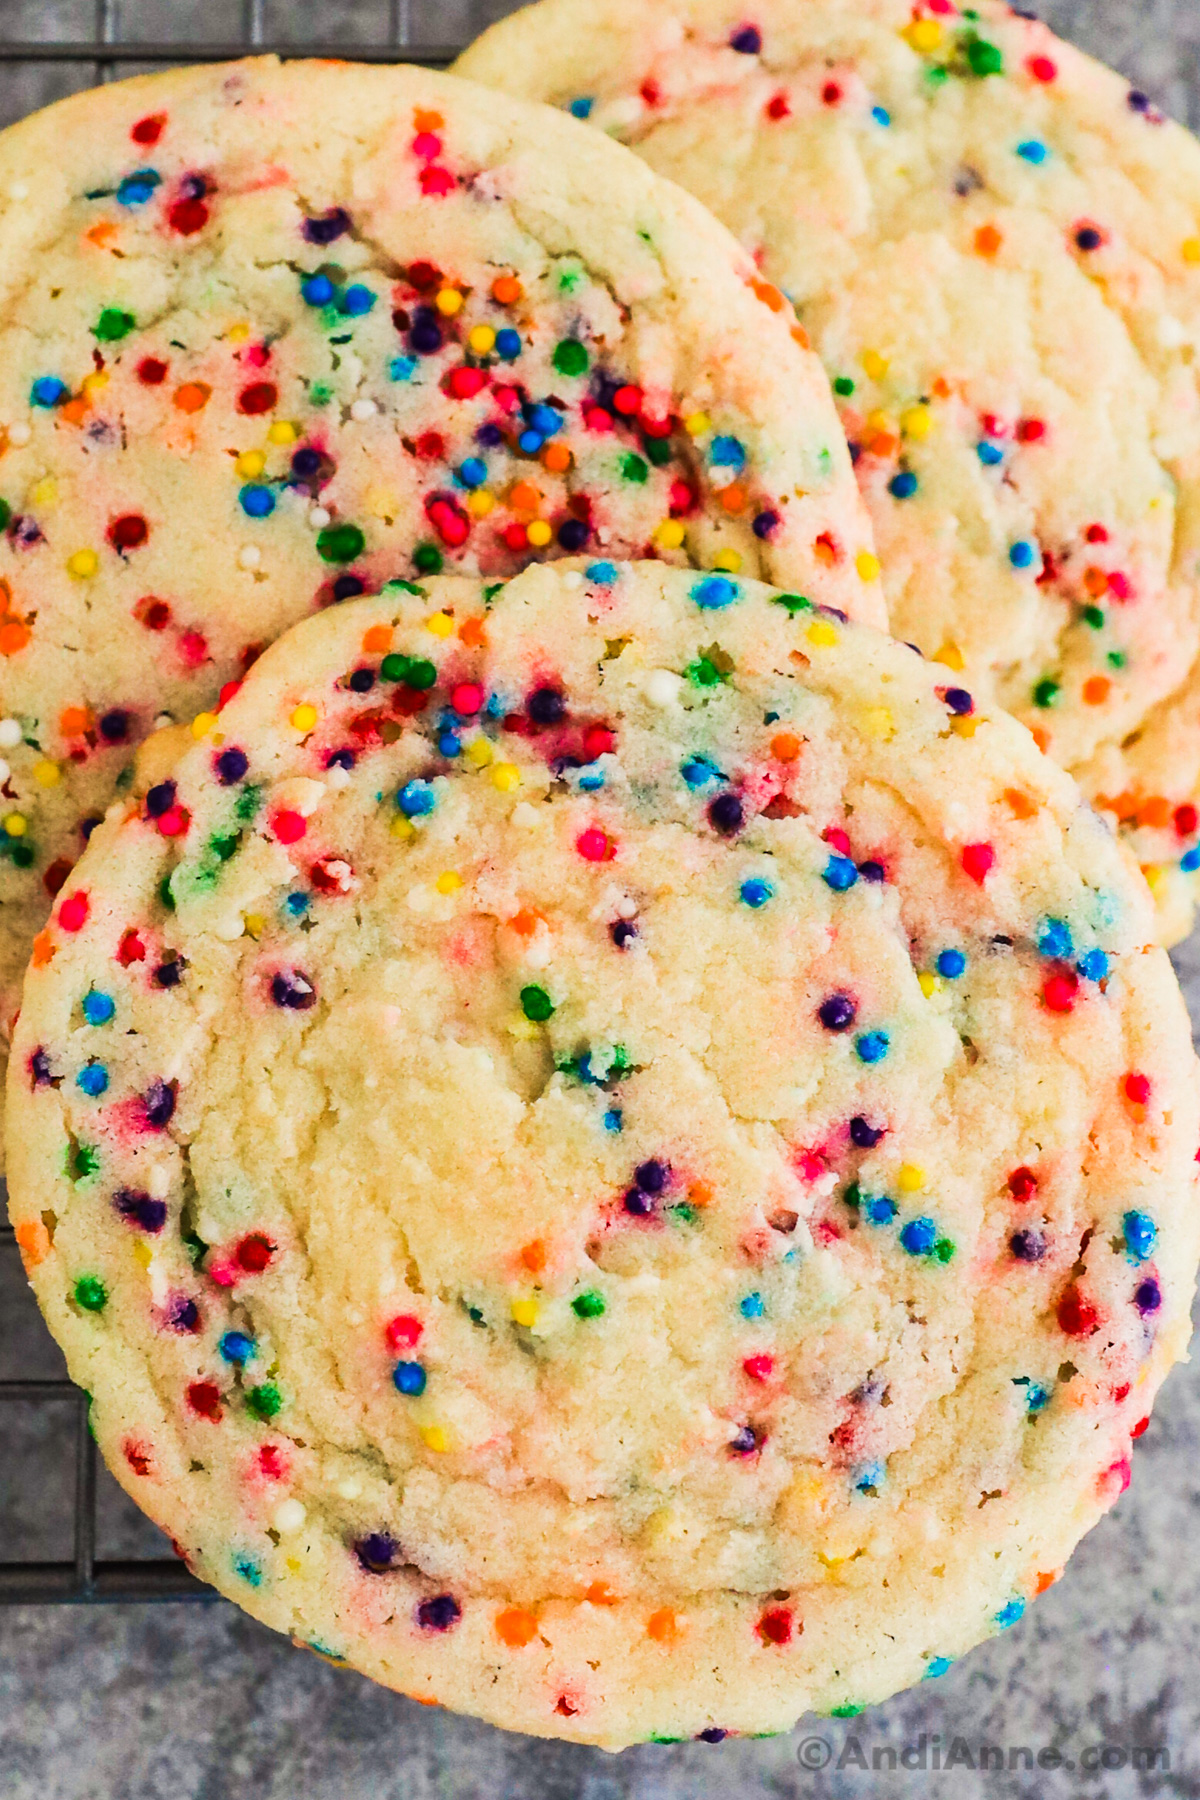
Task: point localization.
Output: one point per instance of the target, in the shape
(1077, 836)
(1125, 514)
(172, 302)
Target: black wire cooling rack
(87, 1579)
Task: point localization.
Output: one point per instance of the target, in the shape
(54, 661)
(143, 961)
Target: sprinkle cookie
(612, 1152)
(271, 335)
(995, 245)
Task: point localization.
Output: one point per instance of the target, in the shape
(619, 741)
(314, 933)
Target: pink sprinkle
(837, 840)
(1120, 586)
(467, 699)
(271, 1462)
(174, 822)
(1137, 1089)
(1060, 992)
(427, 145)
(404, 1331)
(593, 845)
(289, 827)
(193, 647)
(598, 418)
(979, 860)
(451, 524)
(465, 383)
(1115, 1479)
(436, 181)
(72, 914)
(1042, 69)
(227, 693)
(507, 398)
(759, 1368)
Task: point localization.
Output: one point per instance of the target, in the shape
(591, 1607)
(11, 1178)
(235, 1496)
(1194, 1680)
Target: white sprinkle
(363, 409)
(162, 720)
(627, 908)
(539, 954)
(20, 433)
(229, 928)
(318, 517)
(720, 476)
(337, 777)
(159, 1182)
(662, 687)
(525, 816)
(19, 190)
(249, 556)
(5, 771)
(288, 1516)
(349, 1489)
(10, 733)
(1171, 332)
(419, 899)
(572, 579)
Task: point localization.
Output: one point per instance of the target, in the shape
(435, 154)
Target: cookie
(995, 245)
(612, 1152)
(274, 334)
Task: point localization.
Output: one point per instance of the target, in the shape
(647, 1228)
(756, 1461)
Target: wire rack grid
(87, 1579)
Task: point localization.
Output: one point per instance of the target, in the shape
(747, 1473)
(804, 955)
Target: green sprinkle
(843, 386)
(703, 673)
(1117, 659)
(684, 1214)
(845, 1712)
(91, 1293)
(224, 846)
(853, 1196)
(634, 468)
(421, 673)
(795, 603)
(340, 543)
(490, 592)
(195, 1246)
(113, 324)
(589, 1305)
(428, 559)
(1093, 616)
(321, 393)
(22, 852)
(248, 802)
(658, 451)
(943, 1250)
(83, 1160)
(569, 280)
(394, 666)
(536, 1004)
(570, 357)
(265, 1401)
(984, 58)
(5, 514)
(404, 587)
(936, 75)
(164, 892)
(1046, 692)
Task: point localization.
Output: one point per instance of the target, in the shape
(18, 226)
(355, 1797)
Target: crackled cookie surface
(271, 335)
(611, 1151)
(995, 245)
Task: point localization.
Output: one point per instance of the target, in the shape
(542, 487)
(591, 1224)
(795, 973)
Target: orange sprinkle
(700, 1193)
(101, 232)
(515, 1627)
(1095, 581)
(43, 949)
(556, 458)
(662, 1626)
(883, 444)
(33, 1240)
(801, 337)
(600, 1594)
(471, 633)
(524, 497)
(825, 550)
(1019, 804)
(376, 638)
(733, 497)
(941, 388)
(75, 411)
(534, 1255)
(193, 396)
(785, 745)
(1155, 812)
(769, 295)
(1045, 1581)
(14, 635)
(74, 721)
(1096, 689)
(1041, 738)
(424, 1700)
(427, 121)
(987, 240)
(526, 922)
(506, 289)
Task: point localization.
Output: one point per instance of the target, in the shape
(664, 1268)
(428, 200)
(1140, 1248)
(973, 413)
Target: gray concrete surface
(199, 1703)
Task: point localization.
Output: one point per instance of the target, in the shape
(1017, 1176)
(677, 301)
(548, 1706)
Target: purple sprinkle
(959, 701)
(328, 226)
(377, 1552)
(231, 765)
(651, 1176)
(159, 1102)
(489, 436)
(1138, 102)
(712, 1734)
(638, 1203)
(1088, 238)
(864, 1134)
(872, 871)
(572, 535)
(160, 799)
(623, 933)
(765, 523)
(1147, 1296)
(147, 1214)
(837, 1013)
(88, 825)
(426, 334)
(340, 759)
(39, 1068)
(440, 1613)
(747, 39)
(307, 462)
(183, 1314)
(168, 974)
(546, 706)
(292, 989)
(194, 187)
(348, 587)
(745, 1441)
(114, 726)
(726, 814)
(1028, 1246)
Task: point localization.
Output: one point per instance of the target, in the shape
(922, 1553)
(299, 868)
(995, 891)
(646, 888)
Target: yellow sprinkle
(250, 463)
(878, 723)
(448, 302)
(203, 723)
(506, 777)
(96, 382)
(669, 535)
(523, 1029)
(697, 423)
(481, 503)
(867, 566)
(539, 534)
(237, 334)
(879, 420)
(434, 1438)
(45, 492)
(917, 423)
(823, 634)
(142, 1253)
(304, 717)
(449, 882)
(874, 365)
(730, 561)
(294, 1566)
(481, 339)
(16, 825)
(929, 984)
(950, 657)
(282, 431)
(1156, 878)
(440, 624)
(254, 924)
(923, 35)
(47, 774)
(525, 1312)
(964, 727)
(83, 564)
(1191, 250)
(911, 1178)
(401, 827)
(479, 752)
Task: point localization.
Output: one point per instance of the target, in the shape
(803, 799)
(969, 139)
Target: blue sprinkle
(612, 1119)
(92, 1079)
(1190, 861)
(257, 502)
(415, 798)
(236, 1347)
(139, 187)
(530, 442)
(1033, 151)
(1093, 966)
(401, 368)
(919, 1236)
(756, 893)
(581, 108)
(697, 770)
(869, 1478)
(1008, 1615)
(48, 390)
(989, 454)
(752, 1307)
(297, 904)
(508, 344)
(249, 1570)
(727, 453)
(714, 592)
(98, 1008)
(1038, 1397)
(1054, 938)
(951, 964)
(903, 486)
(1022, 554)
(409, 1377)
(937, 1665)
(1141, 1235)
(449, 743)
(591, 779)
(839, 874)
(546, 419)
(603, 573)
(879, 1210)
(881, 115)
(473, 472)
(872, 1046)
(357, 300)
(317, 290)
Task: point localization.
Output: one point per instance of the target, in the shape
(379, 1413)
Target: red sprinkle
(449, 521)
(154, 614)
(594, 845)
(777, 107)
(204, 1397)
(1186, 820)
(271, 1462)
(1137, 1089)
(1022, 1183)
(403, 1331)
(1060, 991)
(831, 93)
(174, 822)
(465, 383)
(978, 860)
(259, 397)
(72, 914)
(254, 1253)
(151, 371)
(1116, 1478)
(776, 1625)
(289, 827)
(1076, 1316)
(1042, 69)
(187, 217)
(427, 145)
(128, 532)
(149, 129)
(227, 692)
(436, 181)
(1120, 586)
(193, 647)
(1140, 1428)
(759, 1368)
(138, 1457)
(516, 536)
(628, 401)
(1096, 534)
(1031, 431)
(598, 740)
(55, 877)
(837, 840)
(430, 446)
(131, 949)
